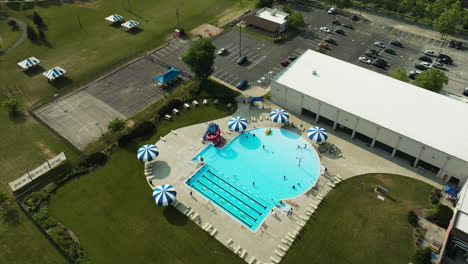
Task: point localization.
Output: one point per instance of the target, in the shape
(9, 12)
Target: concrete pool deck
(271, 240)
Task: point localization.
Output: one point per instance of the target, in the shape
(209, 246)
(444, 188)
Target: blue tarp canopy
(255, 99)
(169, 75)
(451, 191)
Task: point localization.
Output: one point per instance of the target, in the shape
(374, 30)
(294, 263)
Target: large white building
(421, 127)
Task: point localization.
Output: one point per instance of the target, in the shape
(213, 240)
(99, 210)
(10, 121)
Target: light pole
(100, 128)
(240, 34)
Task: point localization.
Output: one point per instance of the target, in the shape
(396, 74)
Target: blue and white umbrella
(317, 134)
(164, 195)
(237, 124)
(54, 73)
(114, 18)
(130, 24)
(279, 116)
(147, 153)
(28, 63)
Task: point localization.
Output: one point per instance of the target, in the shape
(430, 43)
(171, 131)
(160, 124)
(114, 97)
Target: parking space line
(257, 62)
(233, 52)
(168, 47)
(234, 80)
(255, 56)
(214, 74)
(228, 77)
(221, 76)
(228, 46)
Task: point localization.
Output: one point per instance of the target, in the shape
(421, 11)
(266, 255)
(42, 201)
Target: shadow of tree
(19, 118)
(11, 217)
(174, 217)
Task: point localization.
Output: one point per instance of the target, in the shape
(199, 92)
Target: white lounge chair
(167, 117)
(289, 239)
(187, 106)
(275, 260)
(194, 217)
(173, 132)
(163, 139)
(284, 241)
(237, 249)
(214, 231)
(243, 252)
(205, 101)
(282, 247)
(229, 105)
(261, 118)
(331, 185)
(175, 111)
(251, 260)
(279, 253)
(216, 101)
(195, 103)
(229, 241)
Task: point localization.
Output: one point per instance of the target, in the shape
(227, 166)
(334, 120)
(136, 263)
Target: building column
(441, 170)
(419, 156)
(396, 146)
(336, 119)
(354, 130)
(318, 113)
(375, 137)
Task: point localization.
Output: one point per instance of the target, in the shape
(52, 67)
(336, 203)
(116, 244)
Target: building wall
(283, 27)
(294, 101)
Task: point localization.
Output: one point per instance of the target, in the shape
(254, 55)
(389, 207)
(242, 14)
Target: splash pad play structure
(213, 133)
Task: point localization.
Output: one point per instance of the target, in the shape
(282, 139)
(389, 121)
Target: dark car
(390, 51)
(452, 44)
(292, 58)
(242, 85)
(331, 41)
(465, 92)
(396, 43)
(444, 60)
(380, 63)
(355, 18)
(285, 63)
(420, 67)
(242, 60)
(340, 31)
(459, 45)
(371, 53)
(426, 59)
(441, 55)
(348, 26)
(336, 22)
(439, 66)
(412, 75)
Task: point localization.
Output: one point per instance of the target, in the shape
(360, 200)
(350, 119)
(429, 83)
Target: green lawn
(113, 215)
(354, 227)
(8, 36)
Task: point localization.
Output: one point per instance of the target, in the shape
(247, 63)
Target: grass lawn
(8, 36)
(355, 227)
(116, 220)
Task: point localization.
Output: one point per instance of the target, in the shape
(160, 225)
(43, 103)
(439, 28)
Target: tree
(436, 8)
(12, 106)
(42, 36)
(264, 3)
(420, 8)
(432, 79)
(32, 35)
(423, 256)
(37, 19)
(3, 197)
(340, 4)
(405, 6)
(288, 8)
(116, 125)
(200, 58)
(400, 74)
(295, 20)
(447, 22)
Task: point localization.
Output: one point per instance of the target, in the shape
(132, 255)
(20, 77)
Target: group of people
(299, 146)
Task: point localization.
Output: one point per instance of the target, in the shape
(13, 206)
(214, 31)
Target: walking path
(22, 26)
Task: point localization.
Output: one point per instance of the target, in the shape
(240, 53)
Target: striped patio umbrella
(164, 195)
(54, 73)
(237, 124)
(147, 153)
(114, 18)
(130, 24)
(279, 116)
(317, 134)
(29, 62)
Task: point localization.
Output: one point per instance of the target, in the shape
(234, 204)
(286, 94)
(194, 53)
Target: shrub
(12, 23)
(412, 218)
(12, 106)
(435, 196)
(116, 125)
(74, 173)
(169, 106)
(35, 199)
(64, 240)
(42, 36)
(3, 197)
(37, 19)
(42, 216)
(440, 214)
(422, 256)
(144, 129)
(95, 160)
(264, 3)
(124, 140)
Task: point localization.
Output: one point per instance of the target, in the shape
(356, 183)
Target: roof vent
(314, 72)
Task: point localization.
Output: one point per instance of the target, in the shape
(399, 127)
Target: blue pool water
(247, 180)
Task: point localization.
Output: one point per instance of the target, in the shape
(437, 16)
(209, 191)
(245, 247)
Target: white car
(325, 29)
(365, 60)
(331, 11)
(425, 64)
(222, 51)
(379, 44)
(438, 65)
(430, 53)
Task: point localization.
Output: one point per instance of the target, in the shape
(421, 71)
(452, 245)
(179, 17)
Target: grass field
(8, 36)
(355, 227)
(116, 220)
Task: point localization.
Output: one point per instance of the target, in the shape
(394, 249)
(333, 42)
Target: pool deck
(275, 235)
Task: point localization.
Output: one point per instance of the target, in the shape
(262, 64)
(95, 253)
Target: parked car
(396, 43)
(242, 85)
(412, 75)
(465, 92)
(459, 45)
(421, 67)
(331, 41)
(425, 64)
(379, 44)
(340, 31)
(324, 45)
(242, 60)
(430, 53)
(284, 63)
(292, 58)
(365, 60)
(390, 51)
(336, 22)
(380, 63)
(445, 60)
(372, 53)
(348, 26)
(426, 59)
(439, 66)
(325, 29)
(222, 51)
(331, 11)
(452, 44)
(355, 18)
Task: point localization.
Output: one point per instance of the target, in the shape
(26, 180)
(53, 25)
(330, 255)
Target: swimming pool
(251, 174)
